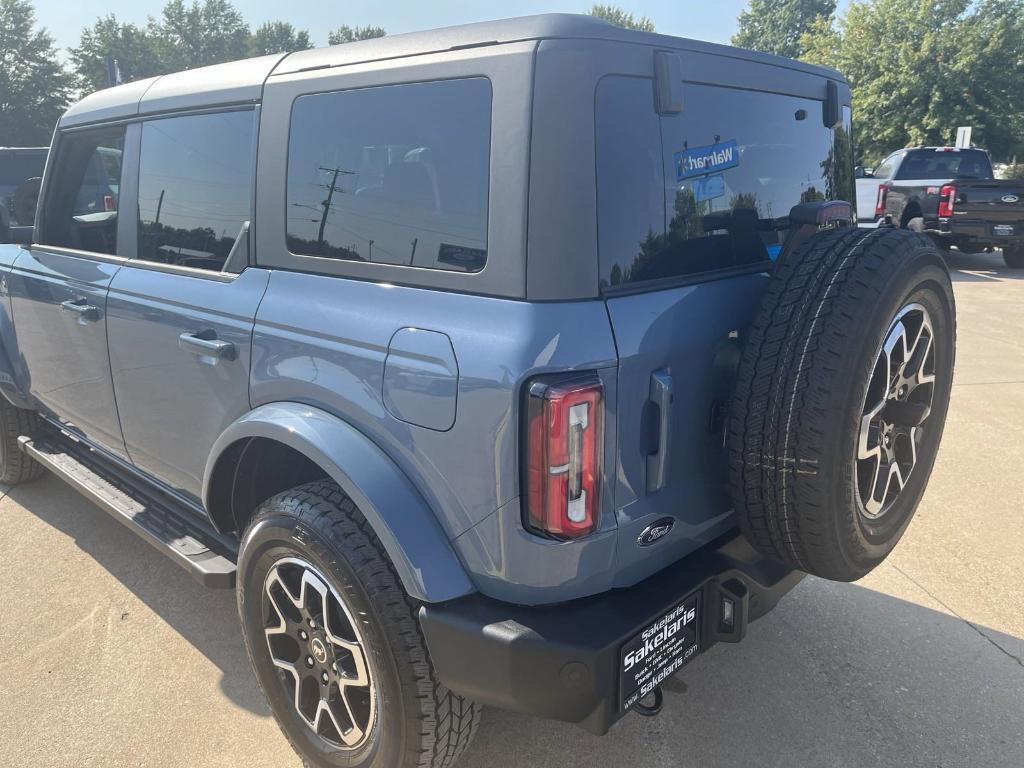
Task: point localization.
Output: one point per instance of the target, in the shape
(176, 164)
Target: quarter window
(396, 174)
(195, 188)
(80, 210)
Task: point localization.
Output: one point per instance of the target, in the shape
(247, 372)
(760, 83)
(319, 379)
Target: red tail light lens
(109, 203)
(883, 193)
(947, 201)
(563, 457)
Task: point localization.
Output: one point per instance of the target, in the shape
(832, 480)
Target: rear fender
(406, 526)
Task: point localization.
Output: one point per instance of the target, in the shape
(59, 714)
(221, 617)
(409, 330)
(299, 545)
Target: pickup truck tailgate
(989, 209)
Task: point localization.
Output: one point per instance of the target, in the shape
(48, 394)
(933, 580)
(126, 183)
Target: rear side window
(942, 164)
(82, 197)
(704, 190)
(195, 188)
(396, 174)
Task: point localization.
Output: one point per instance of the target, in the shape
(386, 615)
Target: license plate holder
(1003, 230)
(659, 650)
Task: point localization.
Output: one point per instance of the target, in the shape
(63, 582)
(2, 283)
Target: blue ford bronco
(514, 364)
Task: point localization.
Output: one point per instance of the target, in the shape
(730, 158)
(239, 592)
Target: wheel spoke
(318, 608)
(887, 440)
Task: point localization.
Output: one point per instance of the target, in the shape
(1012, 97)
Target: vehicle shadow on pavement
(838, 675)
(980, 267)
(206, 618)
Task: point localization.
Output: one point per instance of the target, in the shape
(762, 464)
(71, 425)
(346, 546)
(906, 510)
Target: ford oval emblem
(1011, 199)
(655, 531)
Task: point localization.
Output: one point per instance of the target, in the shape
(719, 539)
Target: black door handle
(661, 399)
(82, 308)
(206, 344)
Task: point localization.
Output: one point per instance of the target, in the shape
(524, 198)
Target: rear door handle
(82, 308)
(206, 344)
(661, 399)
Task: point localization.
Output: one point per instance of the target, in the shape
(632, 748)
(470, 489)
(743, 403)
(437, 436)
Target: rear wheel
(1014, 257)
(841, 399)
(335, 642)
(16, 466)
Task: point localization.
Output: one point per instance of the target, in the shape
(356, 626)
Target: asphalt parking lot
(112, 656)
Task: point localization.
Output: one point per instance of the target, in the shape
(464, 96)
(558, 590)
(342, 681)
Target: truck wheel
(1014, 257)
(841, 399)
(335, 642)
(16, 466)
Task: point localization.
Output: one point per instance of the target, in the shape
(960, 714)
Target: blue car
(513, 364)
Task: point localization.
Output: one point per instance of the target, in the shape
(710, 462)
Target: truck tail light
(109, 203)
(563, 457)
(947, 201)
(883, 193)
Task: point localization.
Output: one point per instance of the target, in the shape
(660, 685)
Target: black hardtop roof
(241, 81)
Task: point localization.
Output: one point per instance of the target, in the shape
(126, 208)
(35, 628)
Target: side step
(157, 517)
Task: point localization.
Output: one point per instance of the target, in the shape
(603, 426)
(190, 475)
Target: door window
(82, 194)
(195, 188)
(396, 174)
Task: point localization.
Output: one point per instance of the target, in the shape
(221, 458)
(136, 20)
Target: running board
(157, 517)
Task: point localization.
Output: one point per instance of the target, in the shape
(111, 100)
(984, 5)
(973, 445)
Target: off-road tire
(419, 722)
(1014, 257)
(15, 465)
(802, 384)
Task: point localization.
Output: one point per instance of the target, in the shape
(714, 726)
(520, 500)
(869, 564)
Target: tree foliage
(186, 35)
(920, 68)
(195, 35)
(777, 26)
(133, 47)
(621, 18)
(34, 88)
(347, 34)
(278, 37)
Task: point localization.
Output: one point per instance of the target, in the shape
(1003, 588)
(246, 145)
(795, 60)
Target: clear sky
(697, 19)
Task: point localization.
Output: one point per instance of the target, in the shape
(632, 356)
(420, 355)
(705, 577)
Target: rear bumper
(1006, 231)
(562, 661)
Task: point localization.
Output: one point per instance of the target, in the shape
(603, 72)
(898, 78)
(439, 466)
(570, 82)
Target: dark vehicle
(952, 195)
(510, 364)
(21, 169)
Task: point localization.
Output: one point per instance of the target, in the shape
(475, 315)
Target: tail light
(563, 457)
(947, 201)
(109, 203)
(883, 193)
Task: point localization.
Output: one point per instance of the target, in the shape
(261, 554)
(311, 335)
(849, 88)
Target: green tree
(621, 18)
(195, 35)
(777, 26)
(135, 51)
(347, 34)
(920, 68)
(278, 37)
(34, 87)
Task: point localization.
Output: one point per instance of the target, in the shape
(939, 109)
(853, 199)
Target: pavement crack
(968, 622)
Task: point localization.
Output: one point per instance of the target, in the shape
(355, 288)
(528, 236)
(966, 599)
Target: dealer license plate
(659, 651)
(1004, 230)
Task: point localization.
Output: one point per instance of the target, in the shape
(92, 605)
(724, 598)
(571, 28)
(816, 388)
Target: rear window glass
(945, 164)
(703, 191)
(396, 174)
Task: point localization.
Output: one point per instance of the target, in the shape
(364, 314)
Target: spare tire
(841, 398)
